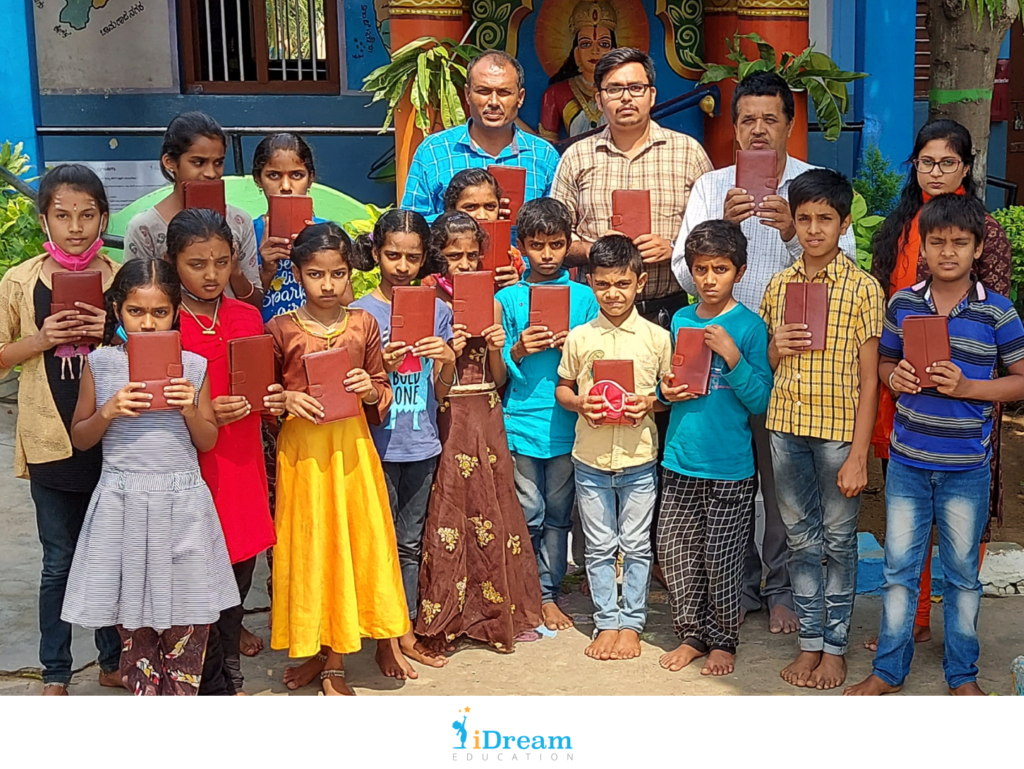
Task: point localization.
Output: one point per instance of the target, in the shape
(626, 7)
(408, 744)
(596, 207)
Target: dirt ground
(872, 513)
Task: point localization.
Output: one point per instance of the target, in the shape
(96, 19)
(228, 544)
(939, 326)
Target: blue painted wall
(885, 49)
(18, 118)
(342, 163)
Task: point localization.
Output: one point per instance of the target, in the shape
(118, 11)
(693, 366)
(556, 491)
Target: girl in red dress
(199, 245)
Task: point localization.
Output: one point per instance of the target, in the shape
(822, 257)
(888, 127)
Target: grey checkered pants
(702, 533)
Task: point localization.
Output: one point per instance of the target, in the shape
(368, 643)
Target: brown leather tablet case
(473, 301)
(288, 215)
(549, 306)
(205, 193)
(631, 212)
(154, 358)
(325, 377)
(71, 287)
(925, 341)
(691, 361)
(499, 241)
(620, 372)
(808, 303)
(512, 183)
(412, 314)
(756, 173)
(251, 368)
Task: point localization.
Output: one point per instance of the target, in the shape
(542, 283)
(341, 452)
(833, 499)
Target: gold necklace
(213, 327)
(328, 329)
(381, 294)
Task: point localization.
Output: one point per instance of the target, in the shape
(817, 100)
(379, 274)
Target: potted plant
(423, 84)
(809, 73)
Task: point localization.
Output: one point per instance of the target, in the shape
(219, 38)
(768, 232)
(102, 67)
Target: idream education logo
(474, 744)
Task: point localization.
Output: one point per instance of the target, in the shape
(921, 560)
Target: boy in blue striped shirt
(939, 461)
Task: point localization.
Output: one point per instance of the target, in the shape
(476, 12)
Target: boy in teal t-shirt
(708, 467)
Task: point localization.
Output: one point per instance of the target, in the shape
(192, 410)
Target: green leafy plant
(878, 182)
(1012, 221)
(865, 225)
(810, 71)
(21, 237)
(364, 282)
(430, 70)
(980, 7)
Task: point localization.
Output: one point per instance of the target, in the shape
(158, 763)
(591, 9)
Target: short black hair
(717, 237)
(196, 224)
(764, 84)
(964, 212)
(326, 236)
(822, 185)
(505, 58)
(78, 177)
(619, 56)
(543, 216)
(182, 132)
(616, 252)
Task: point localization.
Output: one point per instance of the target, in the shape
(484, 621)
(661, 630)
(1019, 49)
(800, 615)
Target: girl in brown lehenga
(479, 575)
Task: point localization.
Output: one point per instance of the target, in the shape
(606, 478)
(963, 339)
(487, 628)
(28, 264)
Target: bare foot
(392, 662)
(55, 691)
(111, 679)
(798, 672)
(335, 686)
(830, 673)
(627, 645)
(922, 634)
(411, 647)
(872, 686)
(968, 690)
(241, 694)
(601, 647)
(782, 619)
(555, 618)
(680, 657)
(720, 663)
(584, 586)
(743, 615)
(250, 644)
(304, 674)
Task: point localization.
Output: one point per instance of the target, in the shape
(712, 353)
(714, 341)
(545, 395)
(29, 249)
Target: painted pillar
(20, 117)
(885, 50)
(784, 25)
(720, 24)
(412, 19)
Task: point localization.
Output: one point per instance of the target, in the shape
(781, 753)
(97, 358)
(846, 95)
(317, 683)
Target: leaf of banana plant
(829, 116)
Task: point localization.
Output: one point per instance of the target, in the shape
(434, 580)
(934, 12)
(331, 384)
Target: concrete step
(1002, 572)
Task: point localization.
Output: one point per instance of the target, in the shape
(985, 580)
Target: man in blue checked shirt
(495, 92)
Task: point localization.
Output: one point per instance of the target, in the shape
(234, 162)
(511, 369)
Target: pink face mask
(66, 260)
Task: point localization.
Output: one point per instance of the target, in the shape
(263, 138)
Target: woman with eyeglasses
(940, 164)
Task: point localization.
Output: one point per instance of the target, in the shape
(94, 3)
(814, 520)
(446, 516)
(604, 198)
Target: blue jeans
(957, 502)
(821, 523)
(59, 519)
(616, 510)
(545, 490)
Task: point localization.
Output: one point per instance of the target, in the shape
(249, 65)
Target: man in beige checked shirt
(632, 153)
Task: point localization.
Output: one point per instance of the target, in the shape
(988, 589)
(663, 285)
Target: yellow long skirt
(336, 574)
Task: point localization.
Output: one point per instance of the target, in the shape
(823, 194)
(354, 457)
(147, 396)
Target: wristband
(252, 290)
(891, 375)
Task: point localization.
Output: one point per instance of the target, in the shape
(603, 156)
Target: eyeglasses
(636, 90)
(946, 165)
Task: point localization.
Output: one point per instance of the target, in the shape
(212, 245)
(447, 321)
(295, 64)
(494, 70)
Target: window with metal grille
(922, 55)
(260, 46)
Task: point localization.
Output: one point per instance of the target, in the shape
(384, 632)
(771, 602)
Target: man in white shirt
(762, 116)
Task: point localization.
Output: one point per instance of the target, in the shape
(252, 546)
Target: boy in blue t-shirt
(540, 432)
(939, 468)
(708, 468)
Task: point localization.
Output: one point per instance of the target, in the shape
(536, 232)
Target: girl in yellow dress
(336, 573)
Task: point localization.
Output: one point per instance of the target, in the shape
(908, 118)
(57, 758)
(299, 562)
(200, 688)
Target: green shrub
(21, 237)
(878, 182)
(865, 225)
(364, 282)
(1012, 220)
